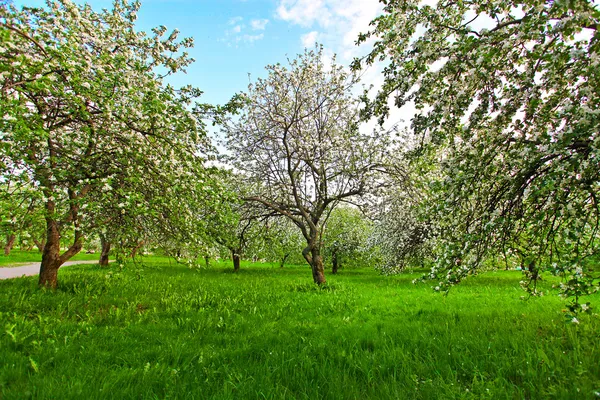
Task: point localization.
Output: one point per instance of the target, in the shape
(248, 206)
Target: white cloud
(338, 21)
(309, 39)
(336, 24)
(259, 24)
(235, 34)
(305, 12)
(251, 38)
(235, 20)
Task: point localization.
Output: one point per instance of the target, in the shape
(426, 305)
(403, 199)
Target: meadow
(159, 330)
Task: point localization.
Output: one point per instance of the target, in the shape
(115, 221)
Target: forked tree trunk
(51, 261)
(235, 256)
(104, 252)
(334, 261)
(10, 242)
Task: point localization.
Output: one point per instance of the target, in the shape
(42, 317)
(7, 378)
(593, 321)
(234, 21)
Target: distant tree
(236, 238)
(345, 237)
(297, 138)
(400, 232)
(280, 241)
(234, 223)
(173, 216)
(85, 108)
(506, 96)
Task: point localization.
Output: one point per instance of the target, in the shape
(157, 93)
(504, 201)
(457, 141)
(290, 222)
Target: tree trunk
(105, 251)
(10, 241)
(334, 260)
(282, 263)
(312, 254)
(236, 260)
(206, 261)
(51, 261)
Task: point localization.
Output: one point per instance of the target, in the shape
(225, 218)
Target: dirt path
(33, 269)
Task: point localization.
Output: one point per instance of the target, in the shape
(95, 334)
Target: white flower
(575, 321)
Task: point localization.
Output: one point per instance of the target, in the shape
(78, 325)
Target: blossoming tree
(297, 139)
(506, 96)
(84, 106)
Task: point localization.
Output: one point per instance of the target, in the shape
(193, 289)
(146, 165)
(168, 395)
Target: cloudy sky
(235, 38)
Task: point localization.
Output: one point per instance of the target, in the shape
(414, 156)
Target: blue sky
(234, 38)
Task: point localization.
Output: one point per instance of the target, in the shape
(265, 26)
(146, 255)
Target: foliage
(21, 217)
(400, 234)
(297, 139)
(239, 224)
(506, 96)
(345, 238)
(280, 242)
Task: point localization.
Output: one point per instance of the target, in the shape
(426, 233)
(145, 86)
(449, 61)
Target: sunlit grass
(165, 331)
(21, 257)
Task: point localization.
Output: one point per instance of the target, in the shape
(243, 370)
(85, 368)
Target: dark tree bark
(104, 252)
(312, 255)
(206, 261)
(50, 257)
(10, 242)
(235, 256)
(335, 262)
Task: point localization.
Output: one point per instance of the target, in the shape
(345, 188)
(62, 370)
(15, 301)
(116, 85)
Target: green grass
(21, 257)
(164, 331)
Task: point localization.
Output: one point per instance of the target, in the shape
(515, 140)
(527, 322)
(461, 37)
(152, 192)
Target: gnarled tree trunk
(51, 257)
(312, 254)
(10, 242)
(51, 260)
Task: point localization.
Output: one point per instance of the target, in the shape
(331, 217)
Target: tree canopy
(506, 96)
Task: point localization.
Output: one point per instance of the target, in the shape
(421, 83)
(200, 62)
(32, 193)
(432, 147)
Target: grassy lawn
(164, 331)
(21, 257)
